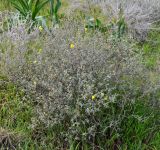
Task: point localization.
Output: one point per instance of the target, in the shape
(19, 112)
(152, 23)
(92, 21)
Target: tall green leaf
(54, 8)
(26, 7)
(38, 6)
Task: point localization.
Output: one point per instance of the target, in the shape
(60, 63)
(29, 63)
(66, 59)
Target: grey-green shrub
(84, 88)
(140, 15)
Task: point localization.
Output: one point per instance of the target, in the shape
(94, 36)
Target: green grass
(151, 49)
(15, 113)
(141, 130)
(5, 5)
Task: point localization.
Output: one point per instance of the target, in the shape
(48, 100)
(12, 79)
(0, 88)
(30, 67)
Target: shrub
(80, 82)
(139, 15)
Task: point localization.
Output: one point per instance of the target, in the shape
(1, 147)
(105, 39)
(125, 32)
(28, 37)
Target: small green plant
(54, 8)
(95, 24)
(119, 24)
(29, 8)
(121, 27)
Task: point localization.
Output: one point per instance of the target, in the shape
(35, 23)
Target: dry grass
(8, 140)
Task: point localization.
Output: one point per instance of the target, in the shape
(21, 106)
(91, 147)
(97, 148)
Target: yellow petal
(93, 97)
(40, 28)
(72, 45)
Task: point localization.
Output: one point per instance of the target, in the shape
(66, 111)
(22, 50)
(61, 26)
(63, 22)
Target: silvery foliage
(76, 4)
(14, 35)
(139, 15)
(62, 80)
(8, 20)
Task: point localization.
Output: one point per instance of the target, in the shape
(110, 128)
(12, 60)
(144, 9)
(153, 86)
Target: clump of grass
(8, 139)
(15, 115)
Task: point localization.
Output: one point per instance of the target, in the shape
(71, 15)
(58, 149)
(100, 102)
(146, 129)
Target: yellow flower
(93, 97)
(72, 46)
(40, 28)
